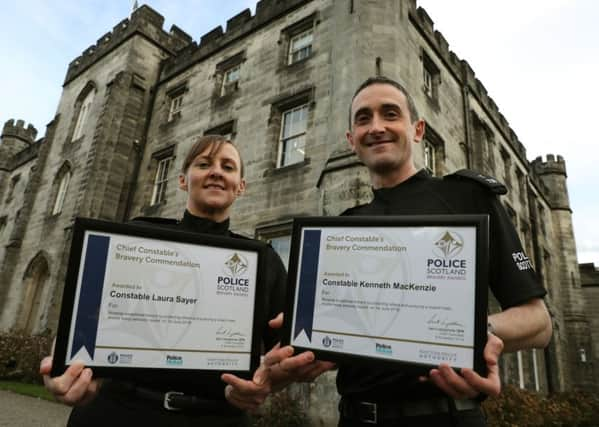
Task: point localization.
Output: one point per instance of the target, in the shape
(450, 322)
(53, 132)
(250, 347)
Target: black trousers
(467, 418)
(116, 411)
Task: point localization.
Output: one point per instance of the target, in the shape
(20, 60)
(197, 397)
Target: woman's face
(213, 182)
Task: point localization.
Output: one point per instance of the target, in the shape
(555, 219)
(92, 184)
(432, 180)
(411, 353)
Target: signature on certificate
(442, 321)
(223, 331)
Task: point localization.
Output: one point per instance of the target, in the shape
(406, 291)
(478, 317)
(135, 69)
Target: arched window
(34, 281)
(63, 185)
(83, 114)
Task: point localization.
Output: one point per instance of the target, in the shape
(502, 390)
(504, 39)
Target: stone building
(279, 83)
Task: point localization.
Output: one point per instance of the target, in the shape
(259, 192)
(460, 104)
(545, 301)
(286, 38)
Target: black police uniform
(393, 397)
(123, 403)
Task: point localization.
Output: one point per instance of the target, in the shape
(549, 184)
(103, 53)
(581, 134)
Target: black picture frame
(68, 316)
(479, 222)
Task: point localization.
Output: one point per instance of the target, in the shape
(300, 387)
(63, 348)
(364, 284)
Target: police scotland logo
(446, 263)
(233, 280)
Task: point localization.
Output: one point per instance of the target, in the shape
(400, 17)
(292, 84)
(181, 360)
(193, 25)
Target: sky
(538, 60)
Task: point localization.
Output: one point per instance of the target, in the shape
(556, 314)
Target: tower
(14, 139)
(572, 335)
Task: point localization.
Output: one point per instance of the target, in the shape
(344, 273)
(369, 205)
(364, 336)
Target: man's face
(382, 131)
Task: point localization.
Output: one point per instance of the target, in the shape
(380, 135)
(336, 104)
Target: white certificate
(143, 302)
(399, 292)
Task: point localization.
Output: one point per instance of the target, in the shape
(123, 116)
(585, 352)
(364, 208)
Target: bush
(20, 355)
(520, 408)
(280, 411)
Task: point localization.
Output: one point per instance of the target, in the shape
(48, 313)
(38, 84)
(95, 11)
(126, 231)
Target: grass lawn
(33, 390)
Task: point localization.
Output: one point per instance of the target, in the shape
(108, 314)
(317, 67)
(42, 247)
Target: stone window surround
(11, 189)
(60, 189)
(77, 127)
(507, 166)
(293, 30)
(3, 222)
(276, 229)
(227, 129)
(431, 78)
(433, 139)
(222, 89)
(282, 103)
(174, 97)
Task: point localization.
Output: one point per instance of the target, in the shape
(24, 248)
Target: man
(384, 130)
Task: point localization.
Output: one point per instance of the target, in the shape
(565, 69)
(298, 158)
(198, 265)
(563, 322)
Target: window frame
(429, 154)
(291, 52)
(228, 87)
(3, 224)
(160, 182)
(61, 193)
(14, 181)
(175, 106)
(433, 139)
(270, 231)
(283, 140)
(83, 115)
(431, 77)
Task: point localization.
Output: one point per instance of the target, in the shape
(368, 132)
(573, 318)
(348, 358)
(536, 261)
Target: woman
(212, 176)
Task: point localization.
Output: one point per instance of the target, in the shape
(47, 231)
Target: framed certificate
(141, 298)
(393, 290)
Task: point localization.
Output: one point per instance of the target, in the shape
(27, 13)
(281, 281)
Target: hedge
(20, 356)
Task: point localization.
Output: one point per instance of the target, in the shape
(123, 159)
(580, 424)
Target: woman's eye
(203, 165)
(229, 168)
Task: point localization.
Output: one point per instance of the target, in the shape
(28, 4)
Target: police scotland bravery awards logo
(234, 280)
(446, 262)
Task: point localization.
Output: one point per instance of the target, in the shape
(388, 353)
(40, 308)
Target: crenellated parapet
(552, 165)
(237, 27)
(550, 176)
(19, 131)
(144, 21)
(463, 73)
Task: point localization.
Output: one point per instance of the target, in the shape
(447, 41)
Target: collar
(385, 193)
(203, 225)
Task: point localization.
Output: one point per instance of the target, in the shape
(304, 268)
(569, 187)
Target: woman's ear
(241, 188)
(182, 182)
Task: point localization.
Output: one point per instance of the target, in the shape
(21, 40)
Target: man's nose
(377, 125)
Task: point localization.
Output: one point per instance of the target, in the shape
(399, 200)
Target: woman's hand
(75, 387)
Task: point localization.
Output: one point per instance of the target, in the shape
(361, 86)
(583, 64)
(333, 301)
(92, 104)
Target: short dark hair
(215, 142)
(382, 80)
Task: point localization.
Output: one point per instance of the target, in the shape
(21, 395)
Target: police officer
(212, 177)
(384, 130)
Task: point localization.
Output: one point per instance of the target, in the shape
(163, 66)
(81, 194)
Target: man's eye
(362, 118)
(391, 114)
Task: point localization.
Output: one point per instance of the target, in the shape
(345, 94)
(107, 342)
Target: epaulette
(349, 210)
(239, 236)
(485, 180)
(157, 220)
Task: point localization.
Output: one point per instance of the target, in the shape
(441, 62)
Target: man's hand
(278, 368)
(250, 394)
(300, 368)
(470, 384)
(74, 387)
